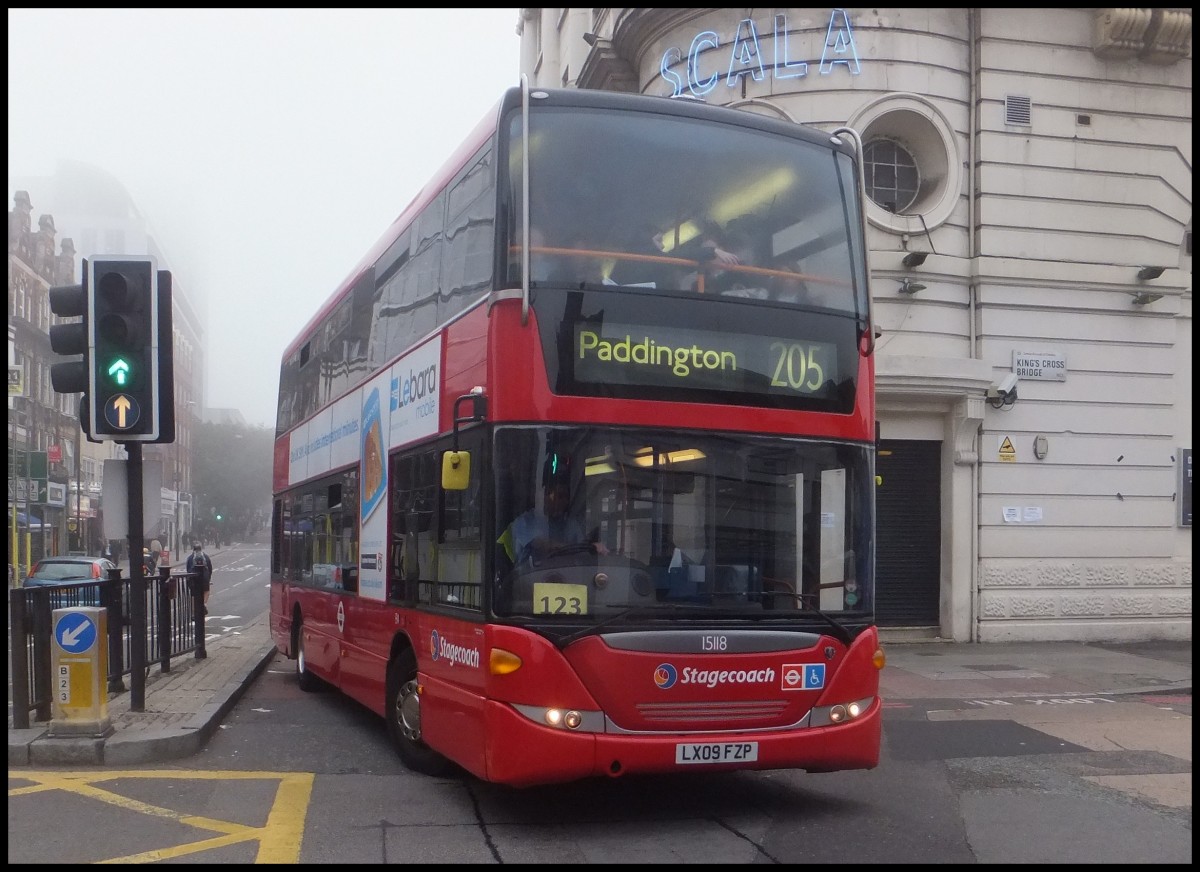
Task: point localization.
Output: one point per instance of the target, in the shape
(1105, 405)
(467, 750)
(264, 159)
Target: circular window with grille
(893, 179)
(911, 162)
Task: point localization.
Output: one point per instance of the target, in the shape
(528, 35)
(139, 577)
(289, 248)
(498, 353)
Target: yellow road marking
(278, 840)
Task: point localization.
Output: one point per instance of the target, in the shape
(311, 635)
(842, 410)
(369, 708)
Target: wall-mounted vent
(1017, 110)
(1083, 120)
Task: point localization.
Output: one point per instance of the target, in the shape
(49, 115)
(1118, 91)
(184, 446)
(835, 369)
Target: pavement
(184, 707)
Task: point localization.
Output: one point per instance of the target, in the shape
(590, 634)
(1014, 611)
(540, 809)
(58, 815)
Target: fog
(266, 149)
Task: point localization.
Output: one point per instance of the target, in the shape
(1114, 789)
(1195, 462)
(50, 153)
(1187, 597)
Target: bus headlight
(839, 713)
(571, 720)
(558, 718)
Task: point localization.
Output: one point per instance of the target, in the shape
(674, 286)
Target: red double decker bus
(574, 473)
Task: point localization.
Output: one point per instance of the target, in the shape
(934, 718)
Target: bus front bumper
(521, 752)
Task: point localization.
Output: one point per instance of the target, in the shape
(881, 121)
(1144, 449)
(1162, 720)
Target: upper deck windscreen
(649, 201)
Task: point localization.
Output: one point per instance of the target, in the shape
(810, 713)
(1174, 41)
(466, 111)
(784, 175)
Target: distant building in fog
(96, 214)
(232, 417)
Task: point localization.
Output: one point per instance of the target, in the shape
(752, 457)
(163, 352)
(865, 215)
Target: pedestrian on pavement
(199, 563)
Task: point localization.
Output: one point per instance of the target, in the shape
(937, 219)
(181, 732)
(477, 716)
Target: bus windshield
(648, 201)
(598, 519)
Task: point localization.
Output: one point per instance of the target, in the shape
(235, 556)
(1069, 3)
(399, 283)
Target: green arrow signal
(119, 371)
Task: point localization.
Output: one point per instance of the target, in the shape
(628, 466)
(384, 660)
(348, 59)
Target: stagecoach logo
(440, 649)
(666, 676)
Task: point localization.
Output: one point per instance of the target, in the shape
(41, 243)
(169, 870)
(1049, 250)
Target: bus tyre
(404, 718)
(305, 679)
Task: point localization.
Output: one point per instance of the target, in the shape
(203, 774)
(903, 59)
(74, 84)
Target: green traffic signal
(119, 372)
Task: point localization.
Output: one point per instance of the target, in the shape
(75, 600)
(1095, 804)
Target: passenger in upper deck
(647, 267)
(653, 266)
(735, 245)
(570, 264)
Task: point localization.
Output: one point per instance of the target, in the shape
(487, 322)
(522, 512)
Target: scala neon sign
(746, 56)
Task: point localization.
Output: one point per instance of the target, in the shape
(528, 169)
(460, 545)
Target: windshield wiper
(642, 611)
(674, 609)
(840, 632)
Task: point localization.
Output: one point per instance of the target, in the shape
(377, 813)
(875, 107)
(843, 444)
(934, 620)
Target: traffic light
(123, 330)
(166, 360)
(71, 377)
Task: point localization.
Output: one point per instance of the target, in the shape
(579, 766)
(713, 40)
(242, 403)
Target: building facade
(1030, 222)
(53, 482)
(102, 219)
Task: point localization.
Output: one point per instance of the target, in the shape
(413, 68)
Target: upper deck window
(649, 201)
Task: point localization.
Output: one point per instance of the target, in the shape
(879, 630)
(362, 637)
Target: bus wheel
(305, 679)
(404, 718)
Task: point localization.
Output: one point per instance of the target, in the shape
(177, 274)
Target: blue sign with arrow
(75, 633)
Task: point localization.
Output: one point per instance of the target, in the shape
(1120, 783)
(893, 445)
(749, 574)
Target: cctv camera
(1005, 390)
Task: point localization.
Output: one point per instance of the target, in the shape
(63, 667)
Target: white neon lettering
(745, 56)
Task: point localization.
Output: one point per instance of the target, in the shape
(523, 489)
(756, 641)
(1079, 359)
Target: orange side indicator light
(501, 662)
(879, 658)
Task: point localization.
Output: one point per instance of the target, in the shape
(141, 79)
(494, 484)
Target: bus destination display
(626, 354)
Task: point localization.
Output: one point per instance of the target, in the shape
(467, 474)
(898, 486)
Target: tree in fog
(231, 478)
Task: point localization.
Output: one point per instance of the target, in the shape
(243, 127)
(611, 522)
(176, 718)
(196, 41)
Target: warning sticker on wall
(1007, 452)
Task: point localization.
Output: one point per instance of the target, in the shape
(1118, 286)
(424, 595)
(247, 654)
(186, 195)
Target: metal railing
(174, 625)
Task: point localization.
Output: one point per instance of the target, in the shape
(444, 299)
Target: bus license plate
(716, 752)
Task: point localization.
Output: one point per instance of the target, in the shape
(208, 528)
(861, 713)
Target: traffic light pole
(125, 375)
(137, 583)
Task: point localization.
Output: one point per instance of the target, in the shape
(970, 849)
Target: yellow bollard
(80, 673)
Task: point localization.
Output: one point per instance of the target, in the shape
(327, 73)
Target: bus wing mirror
(456, 470)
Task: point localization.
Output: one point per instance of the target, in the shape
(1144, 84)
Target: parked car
(62, 572)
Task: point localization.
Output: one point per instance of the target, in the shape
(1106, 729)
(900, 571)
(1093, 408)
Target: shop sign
(706, 63)
(56, 494)
(16, 379)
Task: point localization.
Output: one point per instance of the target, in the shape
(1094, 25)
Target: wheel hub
(409, 711)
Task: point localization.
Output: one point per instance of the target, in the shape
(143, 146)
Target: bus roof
(576, 97)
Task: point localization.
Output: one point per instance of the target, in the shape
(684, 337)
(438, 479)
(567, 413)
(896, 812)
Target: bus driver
(535, 534)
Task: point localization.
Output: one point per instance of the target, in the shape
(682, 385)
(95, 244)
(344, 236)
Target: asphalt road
(311, 778)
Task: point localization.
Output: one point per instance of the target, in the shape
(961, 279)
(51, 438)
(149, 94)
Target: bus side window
(414, 482)
(401, 579)
(459, 555)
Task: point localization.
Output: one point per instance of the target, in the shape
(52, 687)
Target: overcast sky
(267, 149)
